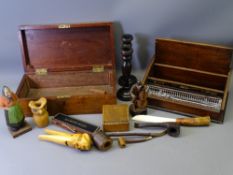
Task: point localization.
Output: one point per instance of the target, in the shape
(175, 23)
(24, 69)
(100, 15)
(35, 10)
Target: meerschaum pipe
(78, 141)
(195, 121)
(38, 105)
(40, 113)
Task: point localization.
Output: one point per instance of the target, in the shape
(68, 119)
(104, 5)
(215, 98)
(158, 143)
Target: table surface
(202, 150)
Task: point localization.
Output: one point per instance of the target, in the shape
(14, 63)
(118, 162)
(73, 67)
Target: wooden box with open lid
(72, 65)
(189, 78)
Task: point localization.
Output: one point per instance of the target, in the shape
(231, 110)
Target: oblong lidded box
(72, 65)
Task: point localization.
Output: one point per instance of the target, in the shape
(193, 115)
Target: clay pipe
(173, 129)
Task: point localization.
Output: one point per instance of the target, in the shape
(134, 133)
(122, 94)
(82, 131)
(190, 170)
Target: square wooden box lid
(196, 56)
(67, 47)
(116, 114)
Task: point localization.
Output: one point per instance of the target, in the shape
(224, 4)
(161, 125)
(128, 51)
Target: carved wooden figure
(138, 93)
(13, 112)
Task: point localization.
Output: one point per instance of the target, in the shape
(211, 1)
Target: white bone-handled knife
(195, 121)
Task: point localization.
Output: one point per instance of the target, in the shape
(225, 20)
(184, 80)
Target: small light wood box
(115, 118)
(72, 65)
(189, 66)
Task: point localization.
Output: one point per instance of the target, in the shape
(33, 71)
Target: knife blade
(195, 121)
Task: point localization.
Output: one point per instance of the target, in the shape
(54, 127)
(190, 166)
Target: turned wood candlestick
(126, 80)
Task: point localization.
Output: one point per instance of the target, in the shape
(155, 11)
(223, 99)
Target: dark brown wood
(127, 79)
(198, 56)
(67, 49)
(52, 26)
(225, 97)
(198, 67)
(190, 77)
(79, 60)
(69, 79)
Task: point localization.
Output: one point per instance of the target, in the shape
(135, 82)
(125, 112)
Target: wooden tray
(195, 67)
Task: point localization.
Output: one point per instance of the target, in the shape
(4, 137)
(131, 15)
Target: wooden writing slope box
(189, 78)
(72, 65)
(115, 118)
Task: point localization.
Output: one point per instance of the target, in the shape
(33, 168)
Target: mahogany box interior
(196, 67)
(72, 65)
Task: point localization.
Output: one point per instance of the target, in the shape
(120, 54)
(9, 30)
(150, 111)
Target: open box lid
(67, 47)
(193, 56)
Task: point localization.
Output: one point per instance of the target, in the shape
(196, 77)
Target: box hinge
(64, 26)
(98, 68)
(41, 71)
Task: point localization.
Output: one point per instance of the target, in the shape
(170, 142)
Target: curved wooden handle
(196, 121)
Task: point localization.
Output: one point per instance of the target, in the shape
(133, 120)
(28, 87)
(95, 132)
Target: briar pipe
(173, 129)
(123, 137)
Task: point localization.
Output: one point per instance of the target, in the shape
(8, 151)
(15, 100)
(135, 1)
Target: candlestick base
(127, 82)
(123, 94)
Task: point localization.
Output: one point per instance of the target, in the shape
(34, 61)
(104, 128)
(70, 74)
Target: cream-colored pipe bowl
(40, 113)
